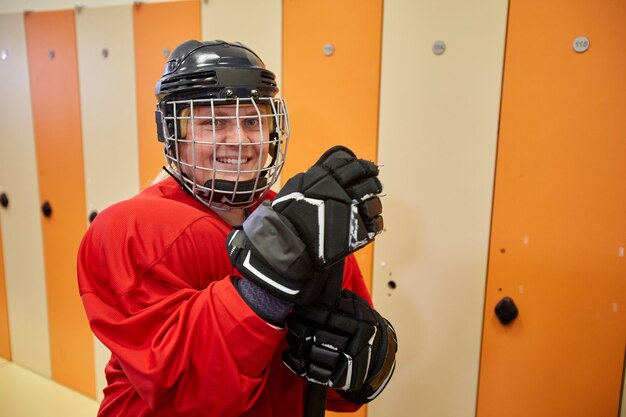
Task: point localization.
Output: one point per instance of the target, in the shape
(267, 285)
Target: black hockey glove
(347, 346)
(334, 205)
(269, 252)
(318, 218)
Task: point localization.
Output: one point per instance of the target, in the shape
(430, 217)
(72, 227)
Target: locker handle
(506, 310)
(46, 209)
(4, 200)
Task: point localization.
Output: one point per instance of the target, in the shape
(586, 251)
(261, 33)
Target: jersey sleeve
(181, 333)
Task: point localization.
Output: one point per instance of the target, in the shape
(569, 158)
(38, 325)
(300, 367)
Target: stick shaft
(315, 399)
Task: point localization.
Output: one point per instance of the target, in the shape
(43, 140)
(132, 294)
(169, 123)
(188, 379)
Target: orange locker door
(5, 343)
(558, 226)
(158, 28)
(331, 83)
(53, 69)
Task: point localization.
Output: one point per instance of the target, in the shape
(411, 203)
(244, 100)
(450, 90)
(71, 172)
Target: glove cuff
(270, 308)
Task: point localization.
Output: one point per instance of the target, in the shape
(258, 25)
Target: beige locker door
(259, 26)
(437, 147)
(21, 224)
(559, 218)
(106, 63)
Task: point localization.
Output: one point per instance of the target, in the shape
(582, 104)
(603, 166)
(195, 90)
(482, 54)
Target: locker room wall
(19, 6)
(27, 305)
(76, 373)
(436, 142)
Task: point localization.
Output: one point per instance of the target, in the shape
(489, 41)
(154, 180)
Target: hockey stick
(315, 399)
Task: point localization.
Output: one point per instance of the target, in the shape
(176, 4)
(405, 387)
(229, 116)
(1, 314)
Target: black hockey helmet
(207, 75)
(214, 69)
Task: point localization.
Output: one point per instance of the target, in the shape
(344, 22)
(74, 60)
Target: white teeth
(233, 161)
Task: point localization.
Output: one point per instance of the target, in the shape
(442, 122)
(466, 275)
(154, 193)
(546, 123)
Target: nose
(235, 133)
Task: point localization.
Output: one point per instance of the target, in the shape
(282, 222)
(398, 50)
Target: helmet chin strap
(223, 192)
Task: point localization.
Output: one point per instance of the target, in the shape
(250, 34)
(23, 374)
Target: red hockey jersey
(154, 277)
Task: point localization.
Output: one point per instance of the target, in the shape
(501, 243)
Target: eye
(210, 123)
(252, 123)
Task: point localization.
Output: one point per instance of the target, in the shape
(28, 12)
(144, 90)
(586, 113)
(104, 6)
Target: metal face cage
(227, 152)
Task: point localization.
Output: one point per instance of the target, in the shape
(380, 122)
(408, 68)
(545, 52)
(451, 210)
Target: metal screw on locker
(329, 49)
(439, 47)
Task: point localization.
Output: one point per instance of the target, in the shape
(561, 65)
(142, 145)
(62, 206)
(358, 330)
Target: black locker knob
(4, 200)
(506, 310)
(46, 209)
(92, 216)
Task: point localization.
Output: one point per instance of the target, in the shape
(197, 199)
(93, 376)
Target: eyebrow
(243, 111)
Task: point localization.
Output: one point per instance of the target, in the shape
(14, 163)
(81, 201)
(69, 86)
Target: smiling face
(229, 143)
(226, 155)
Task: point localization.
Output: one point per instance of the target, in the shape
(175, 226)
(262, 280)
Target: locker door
(21, 224)
(438, 133)
(332, 97)
(558, 227)
(259, 26)
(5, 344)
(109, 119)
(53, 69)
(158, 28)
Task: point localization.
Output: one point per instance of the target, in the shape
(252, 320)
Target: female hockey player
(205, 285)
